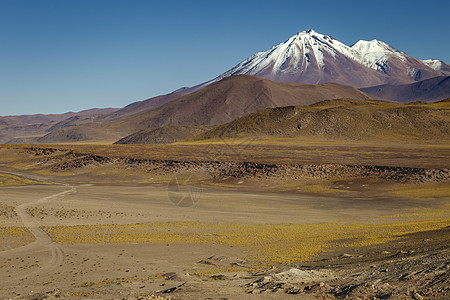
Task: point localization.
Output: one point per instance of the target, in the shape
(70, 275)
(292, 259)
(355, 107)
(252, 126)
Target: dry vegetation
(267, 243)
(345, 120)
(263, 150)
(11, 180)
(313, 168)
(286, 166)
(63, 213)
(422, 191)
(7, 211)
(11, 237)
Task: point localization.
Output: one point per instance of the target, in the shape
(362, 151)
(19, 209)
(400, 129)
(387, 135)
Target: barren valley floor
(105, 230)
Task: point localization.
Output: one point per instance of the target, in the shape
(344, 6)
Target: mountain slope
(27, 128)
(46, 118)
(344, 119)
(164, 135)
(130, 110)
(141, 106)
(229, 99)
(219, 103)
(80, 133)
(438, 65)
(311, 57)
(73, 127)
(433, 89)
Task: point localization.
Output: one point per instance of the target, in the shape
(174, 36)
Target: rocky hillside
(347, 120)
(164, 135)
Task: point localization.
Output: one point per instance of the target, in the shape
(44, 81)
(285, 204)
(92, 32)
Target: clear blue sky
(69, 55)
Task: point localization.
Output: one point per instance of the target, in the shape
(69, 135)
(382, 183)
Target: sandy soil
(106, 231)
(122, 270)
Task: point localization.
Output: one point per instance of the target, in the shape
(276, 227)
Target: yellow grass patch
(15, 236)
(423, 191)
(421, 213)
(10, 180)
(272, 243)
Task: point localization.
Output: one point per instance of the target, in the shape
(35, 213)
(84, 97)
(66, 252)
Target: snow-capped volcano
(311, 57)
(375, 54)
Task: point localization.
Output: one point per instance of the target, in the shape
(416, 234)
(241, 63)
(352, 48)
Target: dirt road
(43, 241)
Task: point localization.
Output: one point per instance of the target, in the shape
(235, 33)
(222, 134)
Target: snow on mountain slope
(375, 54)
(305, 51)
(311, 57)
(438, 65)
(433, 63)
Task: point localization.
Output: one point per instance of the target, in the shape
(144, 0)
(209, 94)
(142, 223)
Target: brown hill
(344, 120)
(22, 140)
(27, 128)
(164, 135)
(141, 106)
(46, 118)
(219, 103)
(48, 128)
(118, 114)
(83, 133)
(433, 89)
(232, 98)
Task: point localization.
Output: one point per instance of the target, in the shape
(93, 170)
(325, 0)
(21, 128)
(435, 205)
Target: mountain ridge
(342, 119)
(234, 97)
(311, 57)
(433, 89)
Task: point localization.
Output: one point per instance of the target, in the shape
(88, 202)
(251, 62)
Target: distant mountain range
(46, 118)
(219, 103)
(311, 57)
(25, 128)
(432, 89)
(309, 67)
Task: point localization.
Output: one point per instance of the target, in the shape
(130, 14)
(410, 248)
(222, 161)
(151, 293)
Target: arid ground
(225, 220)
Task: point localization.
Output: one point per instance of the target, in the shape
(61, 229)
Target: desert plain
(309, 221)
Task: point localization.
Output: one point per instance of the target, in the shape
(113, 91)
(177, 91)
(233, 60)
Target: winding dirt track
(43, 241)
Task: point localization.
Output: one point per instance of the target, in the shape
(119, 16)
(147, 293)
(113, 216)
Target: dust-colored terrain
(164, 135)
(28, 128)
(216, 104)
(346, 120)
(340, 120)
(433, 89)
(230, 219)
